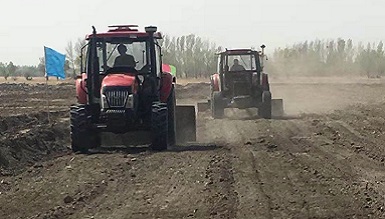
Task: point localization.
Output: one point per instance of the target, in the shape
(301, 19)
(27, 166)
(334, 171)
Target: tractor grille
(117, 98)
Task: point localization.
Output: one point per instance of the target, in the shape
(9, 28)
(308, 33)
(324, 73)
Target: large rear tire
(171, 105)
(82, 136)
(217, 108)
(159, 125)
(264, 110)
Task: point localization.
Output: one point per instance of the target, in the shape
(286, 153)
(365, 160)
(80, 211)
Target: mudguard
(215, 82)
(81, 90)
(165, 90)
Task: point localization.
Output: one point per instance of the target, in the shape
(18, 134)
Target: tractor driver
(236, 66)
(124, 60)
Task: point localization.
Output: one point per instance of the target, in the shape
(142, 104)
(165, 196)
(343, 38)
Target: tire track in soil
(252, 200)
(284, 169)
(223, 199)
(260, 184)
(326, 162)
(367, 154)
(79, 201)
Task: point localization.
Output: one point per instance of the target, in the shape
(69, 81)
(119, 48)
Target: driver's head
(122, 49)
(236, 61)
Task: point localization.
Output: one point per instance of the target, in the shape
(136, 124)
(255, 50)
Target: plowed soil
(324, 159)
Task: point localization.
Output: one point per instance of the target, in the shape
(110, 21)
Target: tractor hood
(119, 80)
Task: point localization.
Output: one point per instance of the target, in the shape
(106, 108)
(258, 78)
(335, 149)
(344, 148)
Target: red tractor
(241, 83)
(123, 90)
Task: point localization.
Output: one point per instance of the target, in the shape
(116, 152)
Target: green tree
(80, 43)
(70, 59)
(190, 54)
(41, 66)
(11, 69)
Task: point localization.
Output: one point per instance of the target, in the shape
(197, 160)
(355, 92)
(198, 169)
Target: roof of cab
(129, 31)
(237, 51)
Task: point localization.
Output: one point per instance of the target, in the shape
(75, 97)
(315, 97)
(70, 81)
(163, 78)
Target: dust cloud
(324, 95)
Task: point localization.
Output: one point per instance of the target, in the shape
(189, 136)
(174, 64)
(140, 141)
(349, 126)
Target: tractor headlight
(104, 103)
(130, 101)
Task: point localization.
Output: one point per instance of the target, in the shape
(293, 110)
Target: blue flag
(54, 63)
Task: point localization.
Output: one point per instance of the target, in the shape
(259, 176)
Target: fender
(81, 89)
(214, 79)
(116, 80)
(265, 82)
(165, 90)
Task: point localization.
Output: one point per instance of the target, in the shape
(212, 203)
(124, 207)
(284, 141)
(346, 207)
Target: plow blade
(277, 107)
(203, 106)
(185, 118)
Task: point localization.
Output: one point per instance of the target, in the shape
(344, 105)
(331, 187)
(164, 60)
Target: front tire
(82, 136)
(159, 125)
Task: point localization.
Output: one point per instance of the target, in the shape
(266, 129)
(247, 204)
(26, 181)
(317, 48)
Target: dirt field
(324, 159)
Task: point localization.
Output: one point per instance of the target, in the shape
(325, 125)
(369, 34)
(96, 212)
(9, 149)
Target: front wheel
(264, 110)
(159, 126)
(82, 136)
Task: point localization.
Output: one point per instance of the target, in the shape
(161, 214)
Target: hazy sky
(28, 25)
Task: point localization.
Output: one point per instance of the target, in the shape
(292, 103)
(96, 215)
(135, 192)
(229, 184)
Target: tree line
(329, 58)
(10, 71)
(194, 56)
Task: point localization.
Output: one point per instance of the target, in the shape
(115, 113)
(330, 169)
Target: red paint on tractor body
(215, 82)
(81, 90)
(122, 79)
(165, 90)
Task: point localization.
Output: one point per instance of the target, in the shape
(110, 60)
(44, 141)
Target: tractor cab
(239, 69)
(127, 48)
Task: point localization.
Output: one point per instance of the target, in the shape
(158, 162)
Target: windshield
(122, 55)
(241, 62)
(131, 54)
(117, 55)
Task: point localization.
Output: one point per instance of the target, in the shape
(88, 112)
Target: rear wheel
(217, 108)
(264, 110)
(159, 125)
(82, 136)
